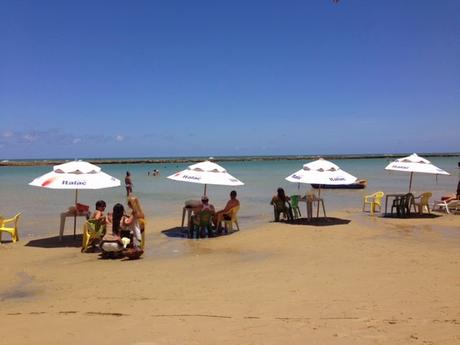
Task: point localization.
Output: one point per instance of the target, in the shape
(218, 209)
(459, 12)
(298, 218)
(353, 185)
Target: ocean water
(162, 197)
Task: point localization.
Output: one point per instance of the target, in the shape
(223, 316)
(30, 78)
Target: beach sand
(361, 280)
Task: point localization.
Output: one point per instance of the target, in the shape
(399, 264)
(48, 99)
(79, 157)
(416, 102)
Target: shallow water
(163, 197)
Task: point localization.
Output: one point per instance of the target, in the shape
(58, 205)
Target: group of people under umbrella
(78, 175)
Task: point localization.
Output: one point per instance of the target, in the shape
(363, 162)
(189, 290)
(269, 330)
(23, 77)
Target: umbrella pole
(75, 215)
(317, 205)
(205, 189)
(410, 181)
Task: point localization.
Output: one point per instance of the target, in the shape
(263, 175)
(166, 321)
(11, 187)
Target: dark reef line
(216, 159)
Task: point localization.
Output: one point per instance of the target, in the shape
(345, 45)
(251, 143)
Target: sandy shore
(367, 281)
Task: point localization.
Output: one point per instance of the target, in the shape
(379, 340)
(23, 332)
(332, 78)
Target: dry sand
(371, 281)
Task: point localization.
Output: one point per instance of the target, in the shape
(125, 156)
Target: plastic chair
(142, 226)
(93, 230)
(452, 206)
(421, 202)
(402, 205)
(295, 206)
(373, 200)
(281, 207)
(228, 223)
(12, 230)
(201, 225)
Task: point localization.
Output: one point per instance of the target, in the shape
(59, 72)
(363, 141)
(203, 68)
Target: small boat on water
(359, 184)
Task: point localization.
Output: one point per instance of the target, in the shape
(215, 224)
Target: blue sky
(183, 78)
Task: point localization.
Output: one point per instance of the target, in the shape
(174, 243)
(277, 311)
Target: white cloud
(7, 135)
(76, 141)
(119, 138)
(30, 137)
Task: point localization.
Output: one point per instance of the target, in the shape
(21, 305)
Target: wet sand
(356, 280)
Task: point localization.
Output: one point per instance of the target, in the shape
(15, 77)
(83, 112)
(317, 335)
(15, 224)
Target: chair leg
(324, 209)
(277, 215)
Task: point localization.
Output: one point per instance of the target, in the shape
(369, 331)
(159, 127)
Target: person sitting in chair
(225, 213)
(280, 201)
(98, 218)
(111, 244)
(99, 213)
(204, 206)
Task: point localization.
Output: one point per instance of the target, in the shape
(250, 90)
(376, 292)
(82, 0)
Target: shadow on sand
(412, 216)
(53, 242)
(322, 221)
(179, 232)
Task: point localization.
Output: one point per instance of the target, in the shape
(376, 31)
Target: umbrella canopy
(76, 175)
(206, 173)
(320, 172)
(415, 164)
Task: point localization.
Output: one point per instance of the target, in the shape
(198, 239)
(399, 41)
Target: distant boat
(359, 184)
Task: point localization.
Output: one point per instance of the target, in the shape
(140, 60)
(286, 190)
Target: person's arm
(228, 207)
(127, 220)
(230, 204)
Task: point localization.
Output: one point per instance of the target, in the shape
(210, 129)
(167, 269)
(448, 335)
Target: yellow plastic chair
(421, 202)
(92, 230)
(142, 226)
(228, 223)
(373, 200)
(12, 230)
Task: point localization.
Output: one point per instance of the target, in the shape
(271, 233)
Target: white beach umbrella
(322, 172)
(206, 173)
(76, 175)
(415, 164)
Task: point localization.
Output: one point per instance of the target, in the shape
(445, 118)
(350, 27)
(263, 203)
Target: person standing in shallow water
(128, 184)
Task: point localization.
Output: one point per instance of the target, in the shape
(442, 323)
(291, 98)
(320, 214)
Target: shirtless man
(222, 214)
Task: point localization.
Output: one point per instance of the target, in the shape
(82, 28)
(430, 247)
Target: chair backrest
(95, 226)
(378, 197)
(295, 201)
(16, 219)
(142, 224)
(233, 212)
(425, 197)
(205, 217)
(279, 204)
(408, 200)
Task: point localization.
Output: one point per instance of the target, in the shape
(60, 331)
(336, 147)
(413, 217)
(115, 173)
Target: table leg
(189, 217)
(183, 216)
(62, 225)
